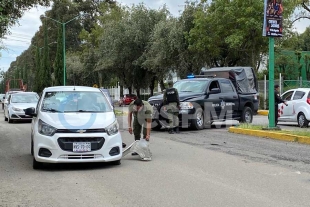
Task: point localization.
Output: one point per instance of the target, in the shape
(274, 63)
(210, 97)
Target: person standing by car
(142, 112)
(277, 100)
(171, 103)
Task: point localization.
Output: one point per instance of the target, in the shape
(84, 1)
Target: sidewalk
(123, 109)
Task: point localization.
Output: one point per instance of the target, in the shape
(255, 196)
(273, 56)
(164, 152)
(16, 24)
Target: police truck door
(230, 99)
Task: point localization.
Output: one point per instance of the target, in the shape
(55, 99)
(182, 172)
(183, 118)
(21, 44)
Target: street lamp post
(63, 42)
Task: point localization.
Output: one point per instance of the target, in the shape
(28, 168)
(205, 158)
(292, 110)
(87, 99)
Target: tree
(45, 71)
(123, 43)
(37, 85)
(76, 75)
(288, 66)
(12, 10)
(230, 32)
(162, 52)
(58, 64)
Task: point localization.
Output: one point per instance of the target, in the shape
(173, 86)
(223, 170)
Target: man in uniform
(277, 100)
(142, 112)
(172, 104)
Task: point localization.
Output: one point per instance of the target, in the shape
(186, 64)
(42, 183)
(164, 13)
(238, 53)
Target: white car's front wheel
(9, 120)
(36, 165)
(302, 121)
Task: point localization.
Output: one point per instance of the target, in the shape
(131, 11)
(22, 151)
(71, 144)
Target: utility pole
(64, 42)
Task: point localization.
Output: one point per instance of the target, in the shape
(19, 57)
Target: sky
(29, 24)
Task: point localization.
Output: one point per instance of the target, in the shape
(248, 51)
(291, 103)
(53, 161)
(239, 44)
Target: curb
(272, 135)
(122, 113)
(263, 112)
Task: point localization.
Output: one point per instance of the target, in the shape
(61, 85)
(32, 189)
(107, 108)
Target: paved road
(196, 168)
(257, 120)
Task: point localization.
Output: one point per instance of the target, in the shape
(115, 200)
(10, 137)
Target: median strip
(271, 134)
(263, 112)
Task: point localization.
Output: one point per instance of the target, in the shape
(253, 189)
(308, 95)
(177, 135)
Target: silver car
(16, 103)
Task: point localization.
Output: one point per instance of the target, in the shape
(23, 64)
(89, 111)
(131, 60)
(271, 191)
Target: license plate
(81, 146)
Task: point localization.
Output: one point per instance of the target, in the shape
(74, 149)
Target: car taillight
(308, 101)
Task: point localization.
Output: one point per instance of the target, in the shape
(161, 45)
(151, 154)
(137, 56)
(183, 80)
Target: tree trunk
(138, 93)
(121, 91)
(162, 85)
(152, 85)
(100, 78)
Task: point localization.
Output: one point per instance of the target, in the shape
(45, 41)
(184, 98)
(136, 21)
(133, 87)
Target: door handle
(235, 97)
(221, 97)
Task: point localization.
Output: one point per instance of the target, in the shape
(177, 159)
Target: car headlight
(186, 105)
(16, 109)
(46, 129)
(113, 128)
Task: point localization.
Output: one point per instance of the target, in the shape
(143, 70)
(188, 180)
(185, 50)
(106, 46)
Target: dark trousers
(276, 108)
(139, 126)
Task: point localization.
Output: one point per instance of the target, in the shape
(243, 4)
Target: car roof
(71, 88)
(301, 89)
(23, 93)
(200, 79)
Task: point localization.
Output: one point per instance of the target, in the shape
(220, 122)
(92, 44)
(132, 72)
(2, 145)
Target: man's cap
(276, 86)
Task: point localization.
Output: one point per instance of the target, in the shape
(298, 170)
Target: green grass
(118, 112)
(302, 132)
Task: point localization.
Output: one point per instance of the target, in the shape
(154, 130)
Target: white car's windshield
(194, 86)
(75, 101)
(24, 98)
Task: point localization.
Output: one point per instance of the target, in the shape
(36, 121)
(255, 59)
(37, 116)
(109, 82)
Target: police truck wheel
(302, 121)
(198, 121)
(246, 115)
(156, 126)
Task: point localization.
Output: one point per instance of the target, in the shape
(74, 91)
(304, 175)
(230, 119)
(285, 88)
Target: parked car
(243, 78)
(2, 97)
(107, 93)
(74, 124)
(298, 108)
(127, 99)
(6, 96)
(204, 100)
(16, 103)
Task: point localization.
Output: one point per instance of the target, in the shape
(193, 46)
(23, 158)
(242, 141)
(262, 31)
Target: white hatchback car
(74, 124)
(298, 108)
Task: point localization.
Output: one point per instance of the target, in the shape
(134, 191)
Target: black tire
(9, 120)
(156, 126)
(302, 121)
(198, 121)
(5, 119)
(36, 165)
(246, 115)
(31, 150)
(117, 162)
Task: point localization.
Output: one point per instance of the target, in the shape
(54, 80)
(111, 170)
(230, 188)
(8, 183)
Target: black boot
(171, 131)
(177, 130)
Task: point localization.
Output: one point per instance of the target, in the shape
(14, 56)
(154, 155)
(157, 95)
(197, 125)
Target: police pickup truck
(204, 100)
